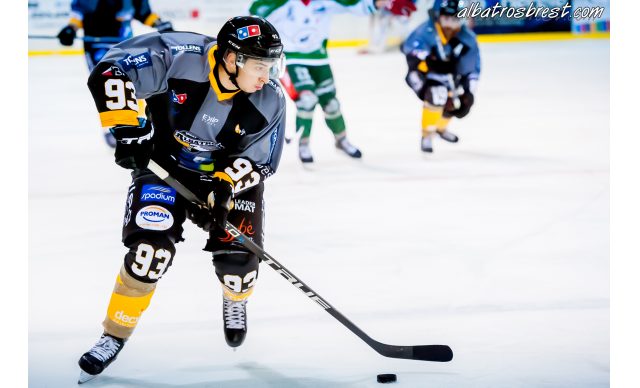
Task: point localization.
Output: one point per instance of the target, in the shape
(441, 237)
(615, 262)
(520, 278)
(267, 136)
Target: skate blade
(84, 377)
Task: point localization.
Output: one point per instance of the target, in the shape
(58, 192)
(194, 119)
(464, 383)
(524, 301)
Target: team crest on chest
(194, 143)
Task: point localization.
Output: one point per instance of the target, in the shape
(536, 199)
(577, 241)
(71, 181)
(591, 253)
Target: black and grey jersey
(205, 127)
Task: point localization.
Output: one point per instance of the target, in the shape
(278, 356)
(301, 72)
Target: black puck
(387, 378)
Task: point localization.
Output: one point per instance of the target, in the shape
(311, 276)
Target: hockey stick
(440, 353)
(88, 39)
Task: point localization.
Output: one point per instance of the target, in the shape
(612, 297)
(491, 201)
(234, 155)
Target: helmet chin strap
(232, 77)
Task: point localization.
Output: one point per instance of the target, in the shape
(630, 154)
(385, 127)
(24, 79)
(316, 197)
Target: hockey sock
(430, 116)
(333, 116)
(304, 120)
(442, 124)
(129, 299)
(335, 124)
(236, 296)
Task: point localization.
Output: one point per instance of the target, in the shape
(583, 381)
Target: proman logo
(154, 217)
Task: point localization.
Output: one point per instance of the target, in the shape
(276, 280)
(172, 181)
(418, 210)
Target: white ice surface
(497, 246)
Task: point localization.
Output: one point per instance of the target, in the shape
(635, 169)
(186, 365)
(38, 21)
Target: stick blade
(437, 353)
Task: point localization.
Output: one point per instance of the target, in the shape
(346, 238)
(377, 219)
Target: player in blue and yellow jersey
(105, 23)
(444, 67)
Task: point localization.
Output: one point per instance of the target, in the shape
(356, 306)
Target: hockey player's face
(450, 24)
(255, 73)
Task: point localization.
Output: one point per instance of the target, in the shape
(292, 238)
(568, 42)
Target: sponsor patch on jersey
(244, 205)
(194, 143)
(239, 131)
(154, 217)
(113, 71)
(138, 61)
(157, 193)
(245, 227)
(209, 120)
(248, 31)
(127, 210)
(178, 98)
(187, 48)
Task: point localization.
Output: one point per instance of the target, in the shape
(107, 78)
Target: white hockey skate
(344, 145)
(448, 136)
(304, 152)
(426, 145)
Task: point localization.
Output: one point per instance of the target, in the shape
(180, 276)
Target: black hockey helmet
(447, 7)
(252, 37)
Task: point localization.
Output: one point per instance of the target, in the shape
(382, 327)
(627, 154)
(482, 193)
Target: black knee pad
(237, 270)
(149, 257)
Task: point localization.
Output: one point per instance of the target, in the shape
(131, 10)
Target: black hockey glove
(67, 35)
(466, 101)
(162, 25)
(133, 145)
(218, 191)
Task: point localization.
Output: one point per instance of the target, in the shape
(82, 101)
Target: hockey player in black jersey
(111, 21)
(444, 66)
(217, 124)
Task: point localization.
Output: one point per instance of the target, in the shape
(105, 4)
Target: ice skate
(448, 136)
(103, 353)
(235, 321)
(344, 145)
(304, 152)
(426, 145)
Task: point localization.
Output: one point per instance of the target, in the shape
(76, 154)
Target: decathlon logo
(121, 316)
(155, 193)
(154, 218)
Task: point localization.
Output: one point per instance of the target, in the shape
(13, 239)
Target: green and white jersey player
(304, 29)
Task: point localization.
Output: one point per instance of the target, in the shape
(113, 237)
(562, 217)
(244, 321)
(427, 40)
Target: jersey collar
(443, 38)
(212, 79)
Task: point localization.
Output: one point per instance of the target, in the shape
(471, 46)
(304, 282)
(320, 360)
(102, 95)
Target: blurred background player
(111, 21)
(217, 124)
(380, 24)
(444, 66)
(304, 26)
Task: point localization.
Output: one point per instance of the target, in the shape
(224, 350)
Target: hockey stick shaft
(88, 39)
(440, 353)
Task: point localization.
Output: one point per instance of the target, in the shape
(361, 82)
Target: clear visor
(262, 67)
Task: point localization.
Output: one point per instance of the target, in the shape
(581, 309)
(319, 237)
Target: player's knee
(332, 107)
(307, 100)
(237, 271)
(148, 258)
